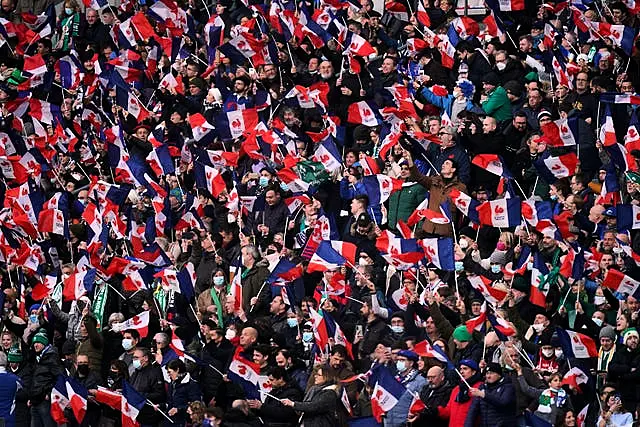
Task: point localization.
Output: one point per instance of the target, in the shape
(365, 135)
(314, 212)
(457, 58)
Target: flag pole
(258, 295)
(461, 377)
(154, 406)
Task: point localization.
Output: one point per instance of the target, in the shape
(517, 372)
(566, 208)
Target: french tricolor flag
(502, 213)
(386, 392)
(43, 289)
(59, 400)
(53, 221)
(620, 282)
(199, 126)
(423, 16)
(478, 323)
(379, 187)
(533, 211)
(77, 394)
(36, 68)
(209, 178)
(327, 153)
(492, 163)
(357, 45)
(233, 124)
(132, 403)
(110, 398)
(439, 252)
(79, 284)
(363, 113)
(561, 133)
(575, 378)
(346, 249)
(325, 258)
(160, 161)
(465, 204)
(425, 349)
(628, 217)
(246, 374)
(490, 294)
(502, 328)
(552, 168)
(139, 322)
(617, 98)
(576, 345)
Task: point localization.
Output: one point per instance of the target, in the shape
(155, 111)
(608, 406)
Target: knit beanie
(14, 355)
(462, 334)
(608, 332)
(40, 337)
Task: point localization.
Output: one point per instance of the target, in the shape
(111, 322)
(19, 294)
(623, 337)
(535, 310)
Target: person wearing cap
(403, 202)
(18, 366)
(496, 102)
(623, 367)
(462, 343)
(606, 352)
(494, 402)
(460, 400)
(460, 100)
(10, 384)
(46, 369)
(411, 379)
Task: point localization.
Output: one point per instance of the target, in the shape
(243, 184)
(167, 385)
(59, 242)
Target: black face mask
(83, 370)
(113, 379)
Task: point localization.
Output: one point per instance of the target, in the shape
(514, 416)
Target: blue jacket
(456, 153)
(348, 192)
(9, 386)
(496, 409)
(180, 394)
(413, 382)
(443, 102)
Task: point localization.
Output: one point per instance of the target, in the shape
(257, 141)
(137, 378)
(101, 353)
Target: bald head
(435, 376)
(248, 337)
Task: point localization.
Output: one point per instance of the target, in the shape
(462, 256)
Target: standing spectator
(182, 390)
(46, 369)
(149, 382)
(9, 386)
(494, 402)
(410, 377)
(320, 402)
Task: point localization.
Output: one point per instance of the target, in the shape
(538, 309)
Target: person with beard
(476, 60)
(239, 94)
(46, 369)
(624, 368)
(272, 411)
(435, 394)
(494, 402)
(459, 402)
(374, 329)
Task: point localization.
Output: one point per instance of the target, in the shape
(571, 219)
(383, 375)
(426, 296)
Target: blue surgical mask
(218, 280)
(554, 197)
(292, 322)
(33, 318)
(529, 266)
(137, 364)
(263, 181)
(401, 365)
(459, 265)
(68, 10)
(127, 344)
(307, 336)
(597, 321)
(284, 186)
(397, 329)
(495, 268)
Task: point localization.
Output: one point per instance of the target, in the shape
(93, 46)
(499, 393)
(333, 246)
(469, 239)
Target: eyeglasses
(443, 133)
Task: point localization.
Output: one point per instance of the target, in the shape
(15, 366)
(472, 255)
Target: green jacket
(498, 105)
(402, 203)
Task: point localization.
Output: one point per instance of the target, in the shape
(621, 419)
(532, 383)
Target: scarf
(550, 398)
(604, 357)
(463, 392)
(216, 302)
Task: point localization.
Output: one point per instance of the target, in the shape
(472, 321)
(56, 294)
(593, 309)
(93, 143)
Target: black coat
(628, 381)
(496, 409)
(45, 374)
(274, 413)
(434, 398)
(149, 382)
(319, 406)
(179, 396)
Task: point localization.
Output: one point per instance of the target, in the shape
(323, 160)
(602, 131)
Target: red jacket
(456, 412)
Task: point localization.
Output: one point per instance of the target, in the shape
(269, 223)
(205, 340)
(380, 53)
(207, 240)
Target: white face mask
(397, 329)
(501, 65)
(230, 334)
(362, 261)
(547, 353)
(558, 352)
(538, 327)
(597, 321)
(598, 300)
(464, 243)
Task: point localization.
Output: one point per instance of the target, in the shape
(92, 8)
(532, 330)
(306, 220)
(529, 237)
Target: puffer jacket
(497, 408)
(397, 416)
(45, 373)
(456, 411)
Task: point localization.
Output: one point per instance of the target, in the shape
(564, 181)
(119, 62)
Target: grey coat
(319, 406)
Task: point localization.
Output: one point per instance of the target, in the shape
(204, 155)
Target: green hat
(461, 334)
(40, 337)
(531, 76)
(14, 355)
(520, 284)
(633, 177)
(16, 78)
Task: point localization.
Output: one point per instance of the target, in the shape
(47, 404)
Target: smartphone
(187, 235)
(359, 331)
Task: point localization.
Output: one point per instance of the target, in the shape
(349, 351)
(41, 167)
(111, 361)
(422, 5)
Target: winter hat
(494, 367)
(470, 364)
(467, 232)
(520, 284)
(608, 332)
(40, 337)
(498, 257)
(514, 87)
(34, 307)
(409, 355)
(461, 334)
(629, 332)
(14, 355)
(467, 88)
(492, 79)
